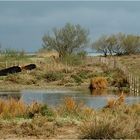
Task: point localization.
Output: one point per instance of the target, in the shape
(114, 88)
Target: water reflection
(8, 95)
(55, 98)
(100, 92)
(97, 99)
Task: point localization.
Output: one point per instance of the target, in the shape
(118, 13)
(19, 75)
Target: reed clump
(98, 83)
(115, 102)
(74, 109)
(12, 108)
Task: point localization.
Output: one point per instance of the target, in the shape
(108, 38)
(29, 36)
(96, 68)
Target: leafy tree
(111, 43)
(66, 40)
(131, 44)
(101, 45)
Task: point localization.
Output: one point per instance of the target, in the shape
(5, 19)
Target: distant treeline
(74, 39)
(119, 44)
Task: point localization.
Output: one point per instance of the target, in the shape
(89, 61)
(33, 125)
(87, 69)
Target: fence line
(134, 81)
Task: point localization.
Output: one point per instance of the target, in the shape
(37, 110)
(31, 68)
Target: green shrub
(83, 74)
(82, 54)
(46, 111)
(73, 60)
(77, 79)
(21, 78)
(53, 76)
(36, 108)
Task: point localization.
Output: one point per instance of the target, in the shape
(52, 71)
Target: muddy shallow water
(54, 97)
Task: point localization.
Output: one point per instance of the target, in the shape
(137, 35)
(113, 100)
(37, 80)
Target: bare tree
(66, 40)
(101, 45)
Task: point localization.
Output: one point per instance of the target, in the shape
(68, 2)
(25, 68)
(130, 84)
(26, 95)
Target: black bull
(29, 67)
(16, 69)
(11, 70)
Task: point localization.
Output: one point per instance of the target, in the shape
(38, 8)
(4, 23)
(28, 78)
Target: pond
(54, 97)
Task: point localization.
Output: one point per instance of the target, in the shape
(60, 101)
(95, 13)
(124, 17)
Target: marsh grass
(119, 121)
(99, 83)
(72, 108)
(12, 108)
(110, 127)
(21, 78)
(112, 102)
(115, 121)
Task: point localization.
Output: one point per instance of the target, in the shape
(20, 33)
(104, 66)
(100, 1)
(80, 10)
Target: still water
(56, 97)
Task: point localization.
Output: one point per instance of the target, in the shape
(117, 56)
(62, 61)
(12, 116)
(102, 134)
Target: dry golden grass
(121, 121)
(115, 102)
(98, 83)
(132, 63)
(70, 104)
(109, 126)
(74, 109)
(47, 54)
(17, 108)
(12, 108)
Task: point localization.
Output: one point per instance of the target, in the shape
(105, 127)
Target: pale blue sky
(23, 23)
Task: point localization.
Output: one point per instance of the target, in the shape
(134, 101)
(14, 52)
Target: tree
(115, 44)
(118, 44)
(131, 44)
(101, 45)
(118, 49)
(111, 44)
(66, 40)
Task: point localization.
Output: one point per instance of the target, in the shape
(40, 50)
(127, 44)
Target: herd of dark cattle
(16, 69)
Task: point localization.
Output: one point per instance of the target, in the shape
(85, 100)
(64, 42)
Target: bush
(112, 103)
(77, 79)
(71, 108)
(82, 54)
(36, 108)
(98, 83)
(83, 74)
(73, 60)
(12, 108)
(21, 78)
(110, 127)
(53, 76)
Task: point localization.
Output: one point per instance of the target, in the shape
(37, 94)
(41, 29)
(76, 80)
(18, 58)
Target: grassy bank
(132, 62)
(69, 120)
(69, 72)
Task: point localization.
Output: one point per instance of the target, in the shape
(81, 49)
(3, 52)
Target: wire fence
(133, 80)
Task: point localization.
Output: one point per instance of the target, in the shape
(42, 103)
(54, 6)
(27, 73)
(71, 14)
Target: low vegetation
(60, 72)
(99, 83)
(40, 121)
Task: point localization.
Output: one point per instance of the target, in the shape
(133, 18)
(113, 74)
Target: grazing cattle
(10, 70)
(29, 67)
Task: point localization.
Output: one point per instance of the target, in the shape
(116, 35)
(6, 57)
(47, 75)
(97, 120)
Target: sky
(23, 23)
